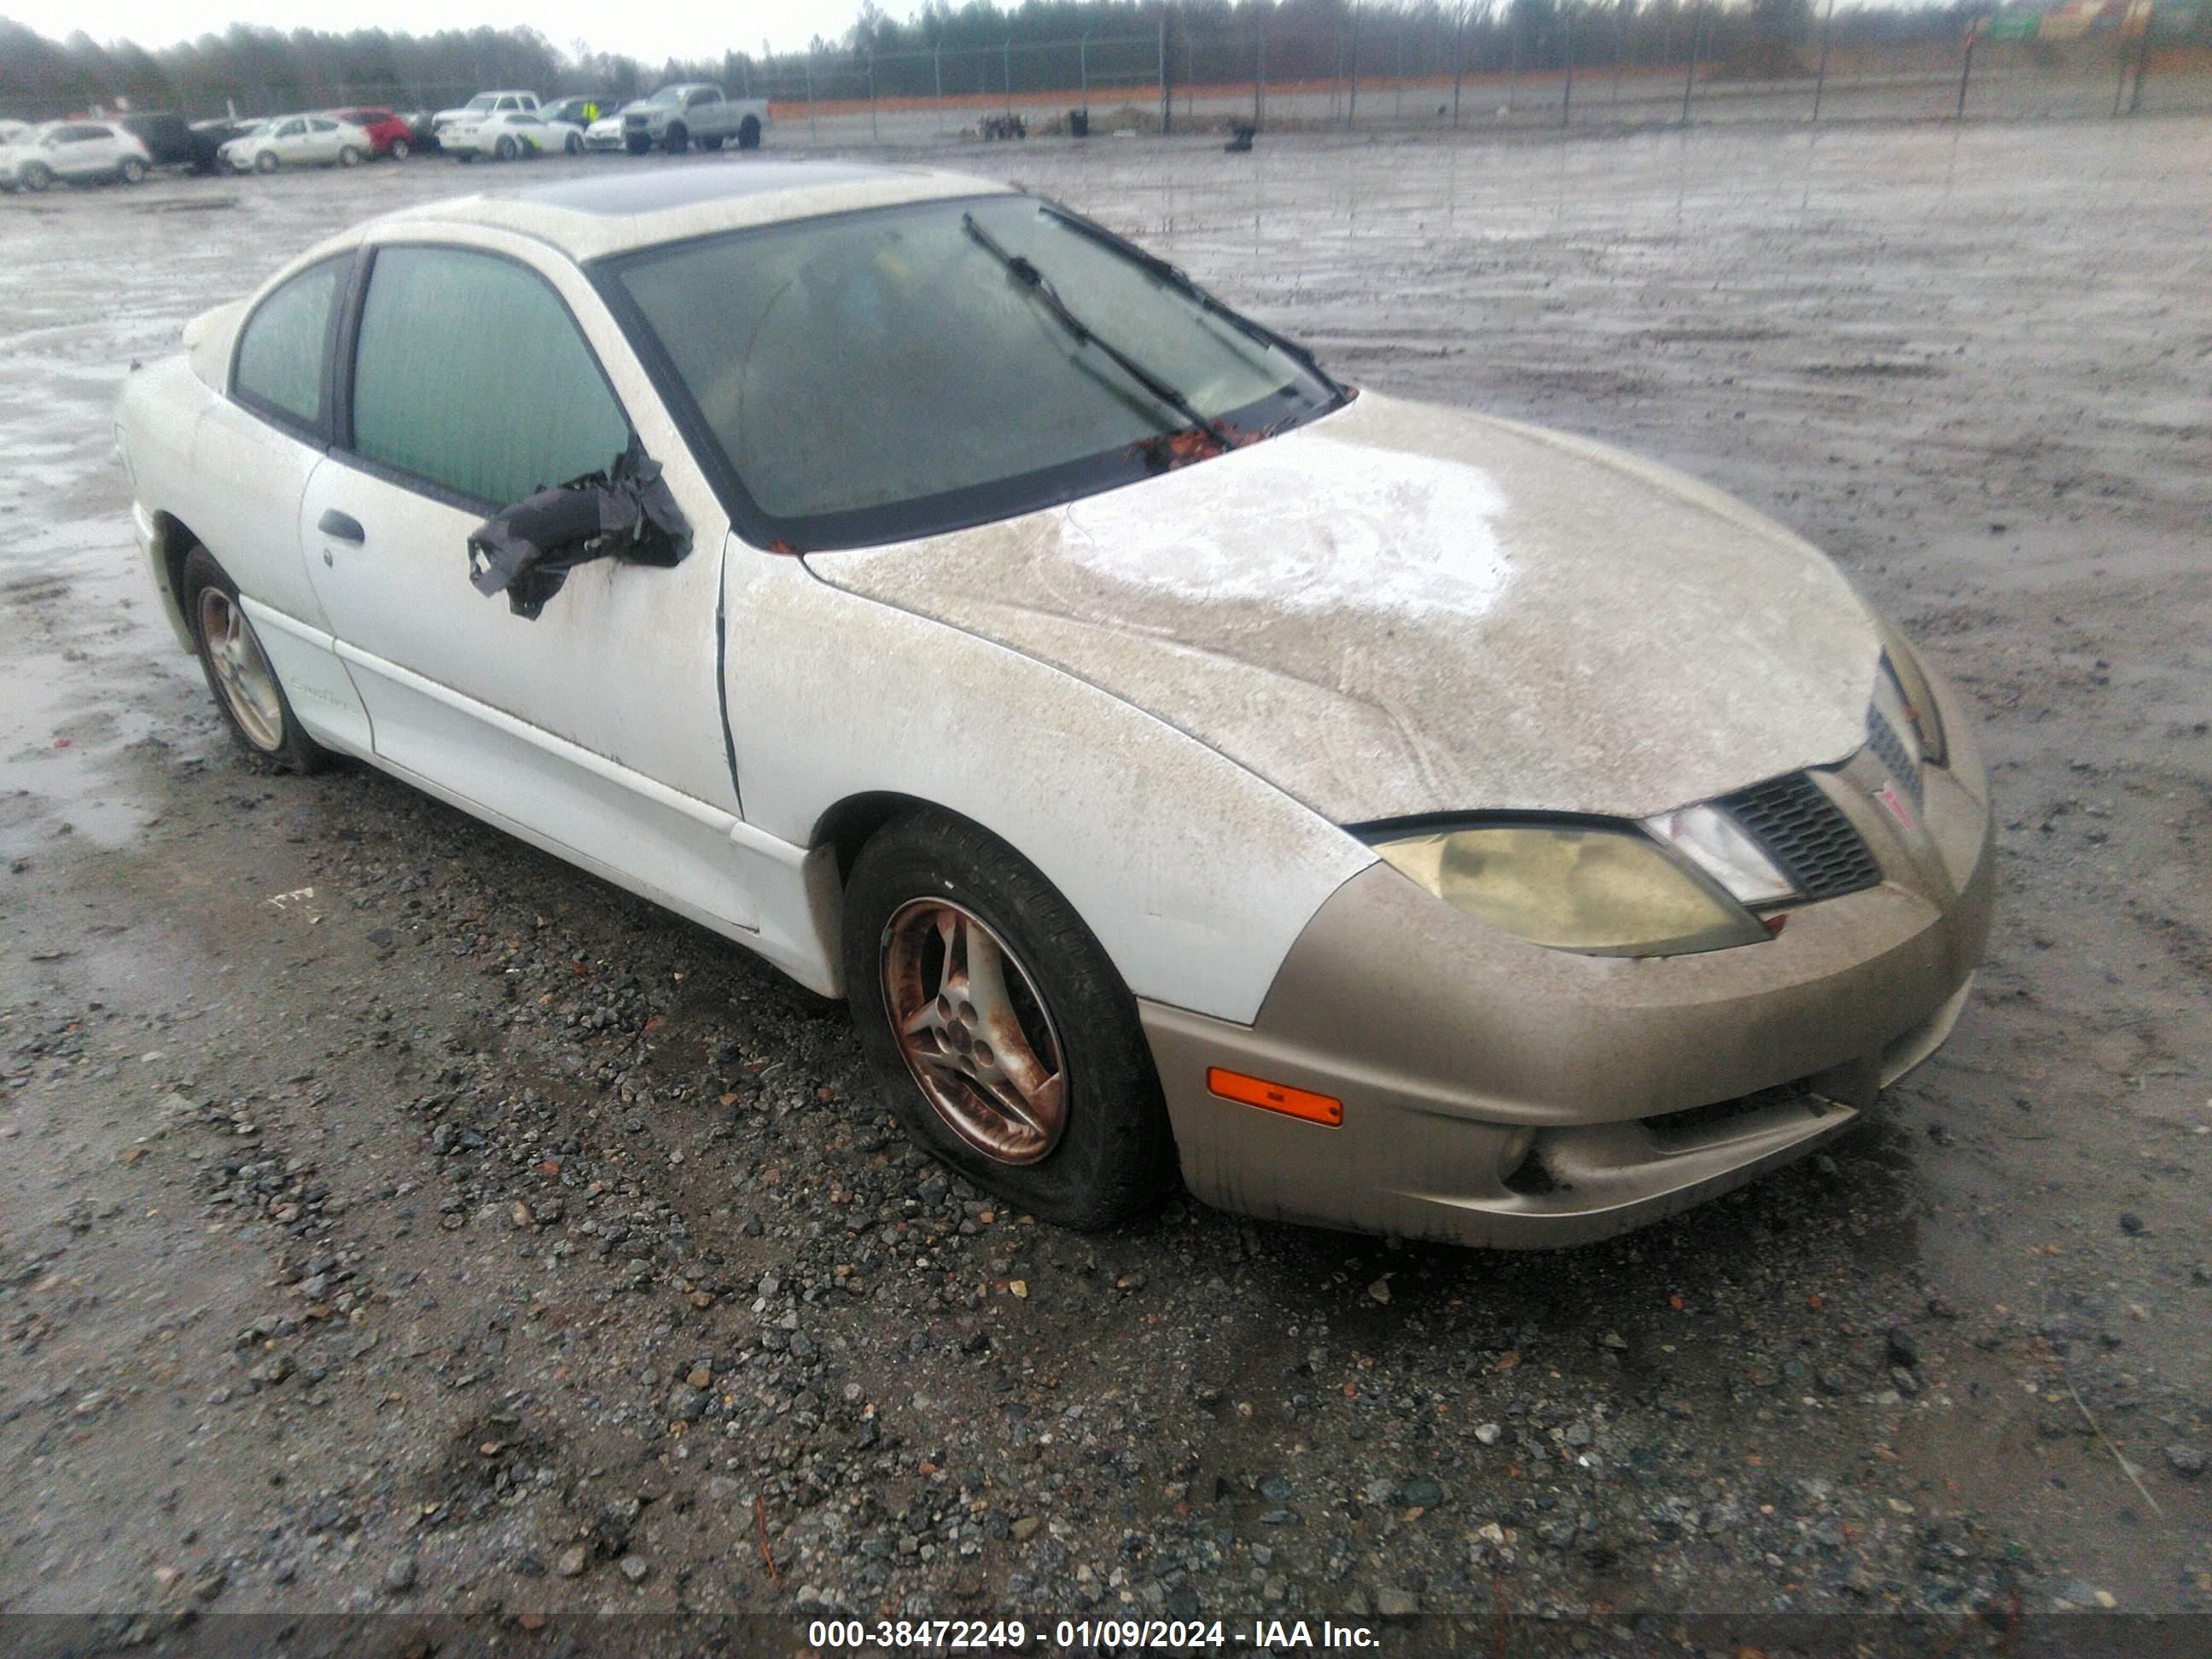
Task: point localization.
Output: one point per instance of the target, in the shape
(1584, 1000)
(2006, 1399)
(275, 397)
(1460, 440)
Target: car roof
(590, 217)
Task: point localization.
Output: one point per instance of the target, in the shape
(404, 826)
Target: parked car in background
(484, 104)
(511, 134)
(12, 130)
(1403, 819)
(388, 134)
(167, 138)
(580, 111)
(676, 117)
(209, 136)
(297, 141)
(78, 152)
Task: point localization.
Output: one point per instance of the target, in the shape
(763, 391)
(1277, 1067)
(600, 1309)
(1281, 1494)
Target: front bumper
(1647, 1086)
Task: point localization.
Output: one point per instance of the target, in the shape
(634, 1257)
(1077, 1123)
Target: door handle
(341, 526)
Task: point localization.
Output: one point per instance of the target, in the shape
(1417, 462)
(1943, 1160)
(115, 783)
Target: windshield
(481, 100)
(667, 95)
(879, 376)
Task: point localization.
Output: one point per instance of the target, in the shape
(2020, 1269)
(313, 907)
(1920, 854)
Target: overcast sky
(687, 29)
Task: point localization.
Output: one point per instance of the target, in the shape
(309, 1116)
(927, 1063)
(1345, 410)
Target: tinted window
(471, 374)
(280, 353)
(324, 126)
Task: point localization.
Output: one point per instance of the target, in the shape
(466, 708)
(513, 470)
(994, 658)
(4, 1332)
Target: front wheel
(37, 177)
(678, 139)
(245, 689)
(504, 150)
(575, 144)
(132, 172)
(265, 162)
(400, 151)
(1002, 1038)
(348, 156)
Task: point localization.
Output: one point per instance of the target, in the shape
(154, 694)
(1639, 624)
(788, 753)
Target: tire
(749, 133)
(348, 156)
(244, 687)
(266, 161)
(465, 156)
(678, 139)
(1092, 1144)
(36, 177)
(504, 150)
(575, 146)
(132, 172)
(715, 143)
(636, 143)
(400, 150)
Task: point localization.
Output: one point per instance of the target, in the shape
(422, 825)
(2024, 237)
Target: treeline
(975, 47)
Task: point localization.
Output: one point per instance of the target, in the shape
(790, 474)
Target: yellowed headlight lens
(1603, 892)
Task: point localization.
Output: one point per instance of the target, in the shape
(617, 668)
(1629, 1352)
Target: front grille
(1806, 836)
(1882, 736)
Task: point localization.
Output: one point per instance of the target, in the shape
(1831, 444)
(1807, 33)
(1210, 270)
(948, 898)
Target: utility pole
(1260, 73)
(1567, 96)
(1167, 103)
(1690, 80)
(1351, 107)
(1821, 80)
(874, 131)
(1082, 70)
(1459, 58)
(1007, 71)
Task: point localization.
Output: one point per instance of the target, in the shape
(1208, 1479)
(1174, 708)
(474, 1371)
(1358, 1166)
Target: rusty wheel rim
(242, 674)
(975, 1036)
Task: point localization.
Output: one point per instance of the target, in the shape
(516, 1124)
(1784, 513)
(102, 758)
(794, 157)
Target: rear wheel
(245, 689)
(504, 149)
(749, 133)
(678, 139)
(36, 177)
(574, 145)
(400, 151)
(1003, 1039)
(132, 172)
(348, 156)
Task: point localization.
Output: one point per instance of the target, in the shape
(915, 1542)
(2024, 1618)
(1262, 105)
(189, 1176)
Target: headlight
(1903, 671)
(1587, 888)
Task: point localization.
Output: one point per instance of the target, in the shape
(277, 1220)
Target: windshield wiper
(1177, 278)
(1034, 280)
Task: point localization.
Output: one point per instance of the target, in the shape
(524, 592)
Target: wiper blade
(1178, 279)
(1034, 280)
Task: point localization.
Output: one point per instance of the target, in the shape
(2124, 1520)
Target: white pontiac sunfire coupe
(1397, 818)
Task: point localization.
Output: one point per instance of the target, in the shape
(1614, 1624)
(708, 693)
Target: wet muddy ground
(392, 1216)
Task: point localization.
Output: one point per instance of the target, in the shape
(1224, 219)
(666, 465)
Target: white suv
(82, 152)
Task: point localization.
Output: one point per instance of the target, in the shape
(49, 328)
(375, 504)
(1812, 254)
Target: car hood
(1400, 610)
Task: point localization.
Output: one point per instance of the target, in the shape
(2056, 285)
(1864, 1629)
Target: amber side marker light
(1274, 1097)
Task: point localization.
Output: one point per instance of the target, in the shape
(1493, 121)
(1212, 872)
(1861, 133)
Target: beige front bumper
(1649, 1085)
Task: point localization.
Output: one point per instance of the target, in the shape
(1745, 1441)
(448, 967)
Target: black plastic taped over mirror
(627, 511)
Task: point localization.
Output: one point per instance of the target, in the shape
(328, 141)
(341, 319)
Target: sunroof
(628, 188)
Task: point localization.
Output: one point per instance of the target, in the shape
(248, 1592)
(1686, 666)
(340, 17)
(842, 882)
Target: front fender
(1194, 874)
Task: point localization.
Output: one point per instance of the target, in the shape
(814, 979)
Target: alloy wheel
(242, 673)
(975, 1035)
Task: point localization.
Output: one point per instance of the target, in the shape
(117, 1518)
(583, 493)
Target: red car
(387, 133)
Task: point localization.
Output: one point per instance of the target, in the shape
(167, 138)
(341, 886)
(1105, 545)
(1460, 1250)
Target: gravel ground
(393, 1218)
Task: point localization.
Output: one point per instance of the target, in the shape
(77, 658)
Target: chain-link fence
(1584, 68)
(1479, 67)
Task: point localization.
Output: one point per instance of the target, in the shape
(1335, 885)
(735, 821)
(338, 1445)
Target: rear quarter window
(280, 350)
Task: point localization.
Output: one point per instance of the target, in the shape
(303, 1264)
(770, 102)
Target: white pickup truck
(676, 117)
